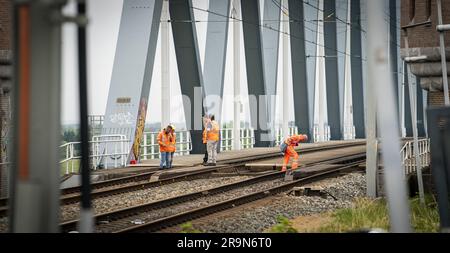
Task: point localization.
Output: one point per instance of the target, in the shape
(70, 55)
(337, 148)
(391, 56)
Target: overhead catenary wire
(285, 11)
(276, 30)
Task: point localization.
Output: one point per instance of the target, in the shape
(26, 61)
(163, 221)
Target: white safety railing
(279, 136)
(247, 138)
(96, 123)
(115, 147)
(317, 136)
(96, 120)
(150, 146)
(408, 158)
(227, 139)
(349, 132)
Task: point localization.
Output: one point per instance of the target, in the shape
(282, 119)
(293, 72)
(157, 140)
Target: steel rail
(126, 212)
(72, 195)
(217, 207)
(221, 164)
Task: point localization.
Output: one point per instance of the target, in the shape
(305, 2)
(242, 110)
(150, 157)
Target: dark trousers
(205, 158)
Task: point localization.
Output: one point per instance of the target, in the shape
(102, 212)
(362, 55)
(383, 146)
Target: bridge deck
(194, 159)
(191, 162)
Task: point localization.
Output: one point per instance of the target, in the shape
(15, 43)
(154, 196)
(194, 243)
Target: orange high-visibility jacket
(204, 136)
(213, 133)
(294, 139)
(172, 140)
(163, 141)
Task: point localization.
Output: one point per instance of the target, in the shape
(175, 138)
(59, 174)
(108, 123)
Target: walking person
(164, 146)
(212, 139)
(287, 148)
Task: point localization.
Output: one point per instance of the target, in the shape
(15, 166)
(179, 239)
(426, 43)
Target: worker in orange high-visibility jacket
(206, 120)
(172, 146)
(287, 148)
(212, 139)
(164, 146)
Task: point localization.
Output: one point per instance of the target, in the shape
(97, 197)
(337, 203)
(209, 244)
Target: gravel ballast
(124, 200)
(256, 219)
(139, 197)
(183, 207)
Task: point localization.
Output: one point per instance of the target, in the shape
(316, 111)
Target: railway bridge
(349, 74)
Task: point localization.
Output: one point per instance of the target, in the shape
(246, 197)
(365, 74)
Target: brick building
(419, 19)
(5, 87)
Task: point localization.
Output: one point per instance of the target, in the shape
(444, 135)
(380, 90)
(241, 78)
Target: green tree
(70, 135)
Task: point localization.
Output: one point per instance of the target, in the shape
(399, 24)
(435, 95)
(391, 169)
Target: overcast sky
(104, 17)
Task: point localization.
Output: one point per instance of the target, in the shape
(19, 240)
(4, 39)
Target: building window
(412, 10)
(428, 9)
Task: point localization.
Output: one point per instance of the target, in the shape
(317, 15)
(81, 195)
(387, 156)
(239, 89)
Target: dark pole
(85, 215)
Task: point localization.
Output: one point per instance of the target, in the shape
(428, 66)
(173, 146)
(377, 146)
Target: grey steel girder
(357, 70)
(270, 41)
(254, 58)
(302, 103)
(331, 70)
(132, 72)
(215, 54)
(189, 68)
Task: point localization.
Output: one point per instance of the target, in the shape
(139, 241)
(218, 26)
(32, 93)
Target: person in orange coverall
(287, 148)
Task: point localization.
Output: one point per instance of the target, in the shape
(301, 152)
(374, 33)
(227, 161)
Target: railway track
(141, 181)
(189, 215)
(158, 211)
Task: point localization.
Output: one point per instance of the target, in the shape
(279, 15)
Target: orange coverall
(291, 142)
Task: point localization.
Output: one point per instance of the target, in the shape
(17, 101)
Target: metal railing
(279, 134)
(150, 146)
(96, 123)
(115, 147)
(227, 139)
(408, 159)
(349, 132)
(96, 120)
(317, 137)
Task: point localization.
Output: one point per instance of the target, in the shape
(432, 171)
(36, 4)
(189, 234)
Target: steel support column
(235, 13)
(380, 80)
(165, 66)
(270, 38)
(189, 68)
(215, 55)
(302, 103)
(357, 71)
(331, 70)
(126, 108)
(35, 200)
(393, 46)
(407, 103)
(255, 69)
(420, 113)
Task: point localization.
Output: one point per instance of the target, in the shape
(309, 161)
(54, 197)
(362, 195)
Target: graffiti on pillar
(140, 125)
